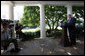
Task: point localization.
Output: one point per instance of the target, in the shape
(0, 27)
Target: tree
(78, 12)
(31, 16)
(53, 14)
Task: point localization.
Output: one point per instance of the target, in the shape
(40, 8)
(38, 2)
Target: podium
(64, 37)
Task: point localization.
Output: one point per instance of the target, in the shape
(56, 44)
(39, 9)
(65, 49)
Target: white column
(11, 17)
(69, 11)
(11, 12)
(42, 22)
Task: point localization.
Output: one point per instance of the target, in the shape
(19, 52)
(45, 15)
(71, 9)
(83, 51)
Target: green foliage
(31, 16)
(53, 14)
(33, 34)
(78, 12)
(48, 34)
(57, 33)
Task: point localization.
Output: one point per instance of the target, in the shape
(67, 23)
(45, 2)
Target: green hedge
(33, 34)
(57, 33)
(48, 34)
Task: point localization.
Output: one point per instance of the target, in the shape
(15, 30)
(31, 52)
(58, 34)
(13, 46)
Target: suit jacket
(71, 25)
(71, 22)
(18, 27)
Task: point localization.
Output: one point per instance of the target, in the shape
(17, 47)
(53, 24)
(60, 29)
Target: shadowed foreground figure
(19, 33)
(70, 24)
(72, 29)
(6, 38)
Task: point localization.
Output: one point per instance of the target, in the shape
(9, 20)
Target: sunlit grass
(59, 28)
(36, 29)
(30, 30)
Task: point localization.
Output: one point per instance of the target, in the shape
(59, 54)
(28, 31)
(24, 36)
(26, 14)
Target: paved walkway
(48, 46)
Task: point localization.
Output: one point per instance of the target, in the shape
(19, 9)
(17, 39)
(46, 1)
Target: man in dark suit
(19, 33)
(72, 29)
(18, 28)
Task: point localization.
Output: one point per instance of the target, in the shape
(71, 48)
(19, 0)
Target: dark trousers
(20, 34)
(72, 39)
(72, 35)
(5, 43)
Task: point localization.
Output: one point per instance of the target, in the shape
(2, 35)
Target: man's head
(69, 16)
(18, 21)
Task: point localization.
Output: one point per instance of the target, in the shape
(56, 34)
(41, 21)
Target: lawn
(30, 30)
